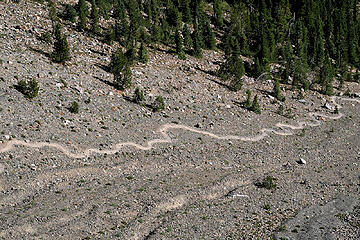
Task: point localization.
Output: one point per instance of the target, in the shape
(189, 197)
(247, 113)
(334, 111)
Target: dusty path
(281, 129)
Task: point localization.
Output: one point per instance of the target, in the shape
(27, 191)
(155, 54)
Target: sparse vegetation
(138, 96)
(268, 183)
(29, 89)
(74, 107)
(158, 105)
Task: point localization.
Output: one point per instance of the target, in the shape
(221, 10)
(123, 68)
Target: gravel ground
(194, 187)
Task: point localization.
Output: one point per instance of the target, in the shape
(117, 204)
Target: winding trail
(281, 129)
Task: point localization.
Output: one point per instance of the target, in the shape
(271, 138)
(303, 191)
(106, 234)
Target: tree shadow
(48, 55)
(240, 104)
(103, 67)
(105, 81)
(210, 72)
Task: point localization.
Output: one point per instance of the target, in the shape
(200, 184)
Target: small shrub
(29, 89)
(74, 108)
(138, 96)
(256, 106)
(158, 105)
(267, 183)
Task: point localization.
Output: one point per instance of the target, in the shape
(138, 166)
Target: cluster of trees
(314, 41)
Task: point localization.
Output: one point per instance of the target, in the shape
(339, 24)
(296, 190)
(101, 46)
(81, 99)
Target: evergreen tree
(196, 39)
(61, 52)
(248, 102)
(256, 106)
(179, 45)
(277, 91)
(186, 11)
(165, 29)
(218, 13)
(69, 13)
(156, 32)
(233, 68)
(53, 13)
(187, 37)
(94, 18)
(143, 57)
(83, 12)
(120, 67)
(209, 36)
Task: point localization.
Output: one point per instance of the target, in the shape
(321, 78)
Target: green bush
(74, 108)
(138, 96)
(158, 105)
(30, 89)
(267, 183)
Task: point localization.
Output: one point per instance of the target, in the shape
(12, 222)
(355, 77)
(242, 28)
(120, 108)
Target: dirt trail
(281, 129)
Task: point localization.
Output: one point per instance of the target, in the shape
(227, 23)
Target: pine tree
(248, 102)
(94, 18)
(197, 51)
(143, 57)
(165, 29)
(179, 46)
(156, 32)
(186, 12)
(53, 13)
(209, 36)
(83, 12)
(256, 106)
(218, 14)
(233, 68)
(120, 67)
(61, 52)
(187, 37)
(277, 91)
(69, 13)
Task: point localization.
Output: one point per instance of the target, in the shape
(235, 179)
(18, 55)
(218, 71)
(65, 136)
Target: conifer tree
(277, 91)
(53, 13)
(256, 106)
(165, 29)
(179, 45)
(143, 57)
(187, 37)
(248, 102)
(120, 67)
(233, 68)
(94, 18)
(209, 36)
(186, 11)
(83, 12)
(196, 39)
(156, 32)
(61, 52)
(218, 13)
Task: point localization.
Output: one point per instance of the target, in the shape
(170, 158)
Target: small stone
(301, 161)
(328, 106)
(7, 137)
(302, 101)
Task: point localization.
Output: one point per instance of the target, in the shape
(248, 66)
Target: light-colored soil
(116, 170)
